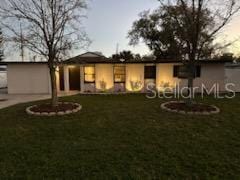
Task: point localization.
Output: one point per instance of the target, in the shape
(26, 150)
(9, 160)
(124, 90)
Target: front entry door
(74, 78)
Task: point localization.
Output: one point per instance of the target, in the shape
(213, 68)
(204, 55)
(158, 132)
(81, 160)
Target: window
(150, 72)
(197, 71)
(119, 74)
(89, 74)
(175, 71)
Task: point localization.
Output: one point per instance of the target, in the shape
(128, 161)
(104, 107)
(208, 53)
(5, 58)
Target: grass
(121, 137)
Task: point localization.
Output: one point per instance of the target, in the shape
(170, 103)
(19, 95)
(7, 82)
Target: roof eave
(4, 63)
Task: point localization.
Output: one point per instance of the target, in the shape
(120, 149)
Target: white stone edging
(163, 106)
(62, 113)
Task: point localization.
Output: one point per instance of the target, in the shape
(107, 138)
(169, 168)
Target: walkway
(7, 100)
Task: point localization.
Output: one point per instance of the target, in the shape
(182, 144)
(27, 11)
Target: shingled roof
(98, 58)
(93, 58)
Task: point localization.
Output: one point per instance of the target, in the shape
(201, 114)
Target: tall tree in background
(50, 28)
(127, 56)
(161, 34)
(184, 29)
(1, 46)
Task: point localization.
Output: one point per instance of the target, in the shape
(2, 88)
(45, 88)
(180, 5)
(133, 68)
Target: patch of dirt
(182, 106)
(62, 107)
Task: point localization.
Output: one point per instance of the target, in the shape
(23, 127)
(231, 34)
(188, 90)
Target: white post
(57, 79)
(82, 78)
(66, 79)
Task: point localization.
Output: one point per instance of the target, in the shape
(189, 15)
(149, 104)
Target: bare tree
(49, 28)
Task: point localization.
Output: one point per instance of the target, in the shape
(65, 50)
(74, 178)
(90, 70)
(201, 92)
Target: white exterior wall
(28, 79)
(233, 77)
(34, 78)
(211, 74)
(134, 77)
(104, 77)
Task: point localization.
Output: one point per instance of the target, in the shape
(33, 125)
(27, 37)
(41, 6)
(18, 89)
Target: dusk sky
(109, 21)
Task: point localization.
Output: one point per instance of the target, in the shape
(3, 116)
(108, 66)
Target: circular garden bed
(196, 108)
(60, 110)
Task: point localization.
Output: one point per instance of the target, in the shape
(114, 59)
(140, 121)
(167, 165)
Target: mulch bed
(182, 106)
(47, 108)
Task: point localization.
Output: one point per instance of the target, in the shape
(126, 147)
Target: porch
(107, 78)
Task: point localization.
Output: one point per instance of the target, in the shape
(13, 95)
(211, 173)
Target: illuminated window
(89, 74)
(119, 74)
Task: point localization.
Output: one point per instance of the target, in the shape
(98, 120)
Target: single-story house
(91, 72)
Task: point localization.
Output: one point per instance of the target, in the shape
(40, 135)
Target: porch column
(58, 79)
(66, 79)
(82, 78)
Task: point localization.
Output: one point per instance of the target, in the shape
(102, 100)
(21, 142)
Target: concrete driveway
(7, 100)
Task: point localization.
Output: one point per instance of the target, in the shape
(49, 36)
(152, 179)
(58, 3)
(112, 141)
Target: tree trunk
(191, 76)
(190, 91)
(53, 87)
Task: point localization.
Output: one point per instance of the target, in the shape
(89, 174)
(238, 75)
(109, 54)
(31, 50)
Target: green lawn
(121, 137)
